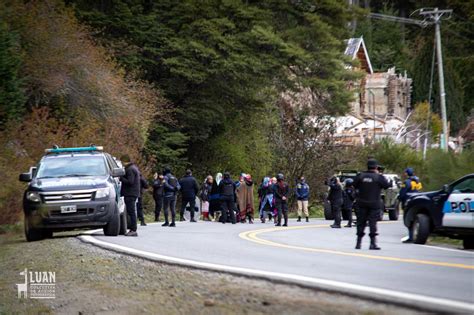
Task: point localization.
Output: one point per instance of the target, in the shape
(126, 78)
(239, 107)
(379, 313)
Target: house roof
(356, 48)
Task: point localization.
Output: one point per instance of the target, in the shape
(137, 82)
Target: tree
(422, 114)
(12, 97)
(218, 60)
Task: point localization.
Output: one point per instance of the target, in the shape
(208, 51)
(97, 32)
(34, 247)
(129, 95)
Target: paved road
(313, 250)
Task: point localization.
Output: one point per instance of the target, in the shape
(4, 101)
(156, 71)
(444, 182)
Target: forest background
(212, 85)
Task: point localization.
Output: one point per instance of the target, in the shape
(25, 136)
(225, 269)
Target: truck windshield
(70, 166)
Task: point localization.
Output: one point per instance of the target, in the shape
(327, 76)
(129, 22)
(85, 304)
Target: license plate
(68, 209)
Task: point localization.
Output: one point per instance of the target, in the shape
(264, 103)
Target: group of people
(225, 200)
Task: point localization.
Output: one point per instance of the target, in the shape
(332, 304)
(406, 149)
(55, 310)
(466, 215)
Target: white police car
(447, 212)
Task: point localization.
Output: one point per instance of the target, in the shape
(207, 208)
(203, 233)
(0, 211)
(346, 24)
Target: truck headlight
(33, 196)
(102, 193)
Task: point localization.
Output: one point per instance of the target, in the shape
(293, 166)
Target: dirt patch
(90, 280)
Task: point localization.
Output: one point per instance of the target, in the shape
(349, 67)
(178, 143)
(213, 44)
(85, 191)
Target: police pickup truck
(73, 188)
(447, 212)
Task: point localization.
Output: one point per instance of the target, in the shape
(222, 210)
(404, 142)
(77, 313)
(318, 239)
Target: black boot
(299, 219)
(307, 219)
(359, 242)
(142, 223)
(165, 224)
(373, 244)
(157, 218)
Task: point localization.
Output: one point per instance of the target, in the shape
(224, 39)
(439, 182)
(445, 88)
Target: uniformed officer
(368, 187)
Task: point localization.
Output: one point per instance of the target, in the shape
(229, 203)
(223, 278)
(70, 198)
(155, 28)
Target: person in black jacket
(158, 184)
(368, 187)
(130, 191)
(281, 192)
(335, 199)
(189, 190)
(349, 198)
(143, 187)
(227, 196)
(170, 189)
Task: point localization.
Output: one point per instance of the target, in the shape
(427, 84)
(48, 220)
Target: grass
(441, 240)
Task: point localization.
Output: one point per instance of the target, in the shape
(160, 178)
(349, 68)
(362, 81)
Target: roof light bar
(79, 149)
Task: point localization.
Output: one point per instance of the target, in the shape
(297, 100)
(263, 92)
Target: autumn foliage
(76, 96)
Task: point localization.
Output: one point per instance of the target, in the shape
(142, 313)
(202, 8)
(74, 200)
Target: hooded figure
(245, 198)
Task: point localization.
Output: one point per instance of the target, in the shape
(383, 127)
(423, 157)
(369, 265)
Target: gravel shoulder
(90, 280)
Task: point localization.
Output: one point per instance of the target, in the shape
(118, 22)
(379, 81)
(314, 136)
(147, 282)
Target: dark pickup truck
(73, 188)
(447, 212)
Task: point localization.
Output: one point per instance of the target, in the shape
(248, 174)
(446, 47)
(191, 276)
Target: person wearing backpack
(170, 189)
(189, 190)
(412, 184)
(227, 196)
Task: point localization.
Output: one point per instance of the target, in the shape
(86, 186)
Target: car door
(458, 210)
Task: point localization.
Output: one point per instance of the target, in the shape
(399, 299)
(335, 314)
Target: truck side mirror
(25, 177)
(118, 172)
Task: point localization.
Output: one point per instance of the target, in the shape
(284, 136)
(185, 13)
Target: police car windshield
(72, 166)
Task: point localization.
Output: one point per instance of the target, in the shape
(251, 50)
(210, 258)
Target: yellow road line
(252, 237)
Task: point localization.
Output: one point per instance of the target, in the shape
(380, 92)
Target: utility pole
(430, 16)
(435, 16)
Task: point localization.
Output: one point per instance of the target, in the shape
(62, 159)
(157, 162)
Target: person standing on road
(143, 187)
(158, 184)
(412, 184)
(266, 199)
(281, 190)
(215, 198)
(302, 196)
(204, 196)
(227, 195)
(349, 198)
(170, 188)
(245, 198)
(335, 200)
(189, 190)
(130, 191)
(368, 187)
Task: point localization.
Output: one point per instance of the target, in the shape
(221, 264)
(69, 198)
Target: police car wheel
(421, 229)
(468, 243)
(123, 223)
(31, 233)
(113, 226)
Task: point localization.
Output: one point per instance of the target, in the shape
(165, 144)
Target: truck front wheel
(32, 234)
(421, 228)
(113, 226)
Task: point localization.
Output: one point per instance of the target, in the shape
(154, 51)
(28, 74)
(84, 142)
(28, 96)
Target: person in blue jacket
(410, 185)
(302, 197)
